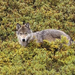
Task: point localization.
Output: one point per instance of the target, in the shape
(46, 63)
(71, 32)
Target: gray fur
(48, 34)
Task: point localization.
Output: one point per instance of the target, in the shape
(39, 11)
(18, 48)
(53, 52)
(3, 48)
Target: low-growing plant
(48, 58)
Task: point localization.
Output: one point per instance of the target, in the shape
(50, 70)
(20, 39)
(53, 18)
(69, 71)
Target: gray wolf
(25, 34)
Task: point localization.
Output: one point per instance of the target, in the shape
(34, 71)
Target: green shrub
(49, 58)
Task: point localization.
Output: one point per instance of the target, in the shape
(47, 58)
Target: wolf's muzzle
(23, 40)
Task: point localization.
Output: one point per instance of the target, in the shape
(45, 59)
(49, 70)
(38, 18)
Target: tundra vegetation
(49, 58)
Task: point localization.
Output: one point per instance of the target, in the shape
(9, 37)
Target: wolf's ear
(18, 26)
(27, 25)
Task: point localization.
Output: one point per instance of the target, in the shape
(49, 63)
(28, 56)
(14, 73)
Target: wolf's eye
(20, 33)
(25, 33)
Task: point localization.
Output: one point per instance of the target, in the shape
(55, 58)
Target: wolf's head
(22, 32)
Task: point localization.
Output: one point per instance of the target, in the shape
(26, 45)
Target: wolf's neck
(32, 36)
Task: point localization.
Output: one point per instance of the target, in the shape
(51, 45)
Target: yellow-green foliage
(49, 58)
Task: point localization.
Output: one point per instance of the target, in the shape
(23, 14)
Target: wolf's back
(52, 35)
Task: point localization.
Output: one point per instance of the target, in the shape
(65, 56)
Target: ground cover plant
(49, 58)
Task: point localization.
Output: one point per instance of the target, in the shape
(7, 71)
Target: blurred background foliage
(48, 58)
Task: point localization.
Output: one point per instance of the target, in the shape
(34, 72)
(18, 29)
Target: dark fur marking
(42, 34)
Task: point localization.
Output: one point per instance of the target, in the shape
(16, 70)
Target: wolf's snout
(23, 40)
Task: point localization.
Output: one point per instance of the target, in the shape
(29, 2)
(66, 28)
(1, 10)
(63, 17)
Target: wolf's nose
(23, 40)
